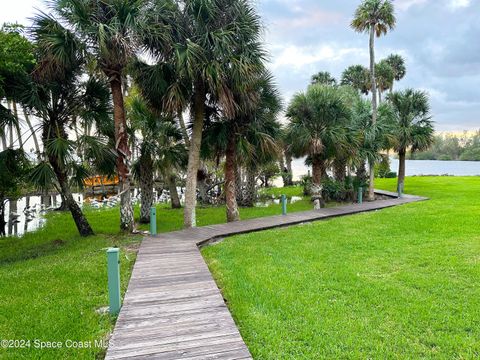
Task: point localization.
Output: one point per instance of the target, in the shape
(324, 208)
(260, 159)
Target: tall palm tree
(316, 126)
(111, 32)
(375, 17)
(217, 52)
(385, 76)
(358, 77)
(371, 138)
(397, 62)
(324, 78)
(56, 95)
(414, 125)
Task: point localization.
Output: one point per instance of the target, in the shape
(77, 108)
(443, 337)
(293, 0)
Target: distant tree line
(463, 147)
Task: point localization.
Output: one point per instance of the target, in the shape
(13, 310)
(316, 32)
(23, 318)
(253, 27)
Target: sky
(438, 38)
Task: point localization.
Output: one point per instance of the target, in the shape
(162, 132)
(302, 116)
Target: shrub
(382, 169)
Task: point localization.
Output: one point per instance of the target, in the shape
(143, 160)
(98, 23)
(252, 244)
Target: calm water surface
(413, 167)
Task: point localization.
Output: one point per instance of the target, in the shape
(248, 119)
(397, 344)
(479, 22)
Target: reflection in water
(265, 201)
(27, 214)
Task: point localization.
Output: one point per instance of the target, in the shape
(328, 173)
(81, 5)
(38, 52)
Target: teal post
(400, 190)
(284, 204)
(113, 262)
(360, 195)
(153, 220)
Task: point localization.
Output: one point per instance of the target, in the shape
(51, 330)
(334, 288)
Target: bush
(333, 190)
(382, 169)
(306, 183)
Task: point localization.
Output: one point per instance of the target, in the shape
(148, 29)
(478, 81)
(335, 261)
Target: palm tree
(56, 95)
(371, 138)
(160, 147)
(414, 127)
(385, 76)
(217, 52)
(316, 126)
(398, 65)
(375, 17)
(324, 78)
(111, 32)
(358, 77)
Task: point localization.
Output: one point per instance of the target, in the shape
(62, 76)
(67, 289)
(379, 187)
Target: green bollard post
(153, 220)
(360, 195)
(113, 267)
(284, 204)
(400, 190)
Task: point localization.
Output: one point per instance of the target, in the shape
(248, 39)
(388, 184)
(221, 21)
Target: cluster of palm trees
(112, 83)
(145, 64)
(338, 129)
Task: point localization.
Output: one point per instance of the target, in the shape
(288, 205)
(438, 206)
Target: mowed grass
(52, 282)
(399, 283)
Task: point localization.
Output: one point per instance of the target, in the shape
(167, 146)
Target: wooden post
(113, 263)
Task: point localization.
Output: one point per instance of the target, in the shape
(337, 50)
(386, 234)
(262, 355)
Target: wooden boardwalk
(174, 310)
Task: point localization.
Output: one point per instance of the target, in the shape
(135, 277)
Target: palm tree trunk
(379, 96)
(183, 128)
(10, 127)
(361, 173)
(288, 161)
(238, 184)
(2, 216)
(189, 218)
(250, 190)
(283, 169)
(230, 170)
(340, 170)
(318, 170)
(371, 185)
(79, 218)
(123, 154)
(17, 125)
(172, 187)
(146, 188)
(202, 186)
(401, 170)
(34, 134)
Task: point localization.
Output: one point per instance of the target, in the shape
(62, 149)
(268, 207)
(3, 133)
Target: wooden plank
(173, 308)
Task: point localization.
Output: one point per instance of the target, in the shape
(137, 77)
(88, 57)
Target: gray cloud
(439, 39)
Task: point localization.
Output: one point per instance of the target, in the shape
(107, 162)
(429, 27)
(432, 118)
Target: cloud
(298, 57)
(404, 5)
(458, 4)
(306, 19)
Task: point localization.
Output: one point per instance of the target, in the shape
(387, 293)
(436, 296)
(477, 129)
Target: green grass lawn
(400, 283)
(52, 281)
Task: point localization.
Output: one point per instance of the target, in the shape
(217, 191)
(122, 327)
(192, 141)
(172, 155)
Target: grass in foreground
(400, 283)
(52, 282)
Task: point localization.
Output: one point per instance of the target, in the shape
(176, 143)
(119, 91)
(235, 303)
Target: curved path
(174, 310)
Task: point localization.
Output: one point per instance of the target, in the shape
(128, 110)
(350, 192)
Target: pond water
(27, 213)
